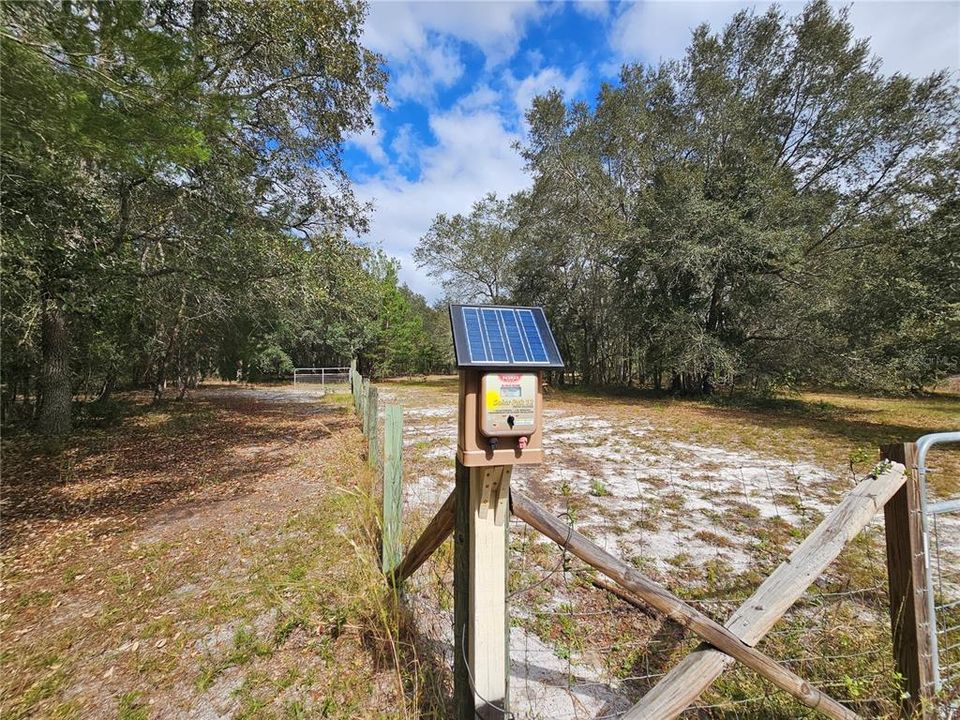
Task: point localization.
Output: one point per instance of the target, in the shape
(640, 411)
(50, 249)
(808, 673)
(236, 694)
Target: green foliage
(473, 256)
(271, 360)
(174, 204)
(769, 211)
(408, 335)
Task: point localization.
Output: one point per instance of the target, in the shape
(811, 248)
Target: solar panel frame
(503, 336)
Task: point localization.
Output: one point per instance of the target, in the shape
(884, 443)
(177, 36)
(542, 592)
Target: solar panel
(502, 336)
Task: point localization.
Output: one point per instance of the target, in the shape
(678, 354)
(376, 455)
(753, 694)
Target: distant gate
(322, 376)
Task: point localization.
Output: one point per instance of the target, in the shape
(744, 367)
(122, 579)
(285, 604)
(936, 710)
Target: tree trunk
(108, 385)
(55, 386)
(163, 362)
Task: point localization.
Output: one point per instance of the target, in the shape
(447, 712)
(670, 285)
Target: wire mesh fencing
(943, 522)
(579, 651)
(945, 578)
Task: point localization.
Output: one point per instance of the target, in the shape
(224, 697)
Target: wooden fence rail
(758, 614)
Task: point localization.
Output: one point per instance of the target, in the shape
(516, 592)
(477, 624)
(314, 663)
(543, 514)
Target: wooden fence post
(353, 371)
(364, 391)
(392, 485)
(907, 576)
(481, 628)
(373, 437)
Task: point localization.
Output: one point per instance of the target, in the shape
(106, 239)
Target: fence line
(384, 458)
(823, 609)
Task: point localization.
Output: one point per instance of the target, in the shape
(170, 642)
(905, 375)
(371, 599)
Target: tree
(163, 157)
(472, 255)
(715, 220)
(405, 337)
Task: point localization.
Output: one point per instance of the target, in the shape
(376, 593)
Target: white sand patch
(442, 450)
(544, 685)
(639, 496)
(431, 412)
(425, 491)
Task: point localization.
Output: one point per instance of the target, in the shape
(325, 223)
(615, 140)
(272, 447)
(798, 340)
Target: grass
(218, 552)
(224, 552)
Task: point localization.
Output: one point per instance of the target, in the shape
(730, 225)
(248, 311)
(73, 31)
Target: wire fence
(578, 651)
(945, 580)
(322, 377)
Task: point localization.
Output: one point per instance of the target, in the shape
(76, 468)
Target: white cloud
(406, 146)
(917, 37)
(473, 155)
(371, 140)
(421, 39)
(524, 90)
(482, 97)
(435, 66)
(599, 9)
(660, 30)
(398, 29)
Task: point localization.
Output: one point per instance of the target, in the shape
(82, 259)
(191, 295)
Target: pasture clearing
(706, 498)
(218, 558)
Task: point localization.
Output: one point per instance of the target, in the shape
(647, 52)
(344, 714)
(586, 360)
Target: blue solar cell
(531, 333)
(478, 351)
(497, 336)
(514, 339)
(491, 326)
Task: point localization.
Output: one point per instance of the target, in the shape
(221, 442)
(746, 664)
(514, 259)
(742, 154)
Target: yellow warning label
(493, 399)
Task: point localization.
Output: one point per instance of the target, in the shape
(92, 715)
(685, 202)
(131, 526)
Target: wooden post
(373, 437)
(392, 485)
(907, 576)
(364, 391)
(481, 640)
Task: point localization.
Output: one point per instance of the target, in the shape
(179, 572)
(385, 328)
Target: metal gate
(941, 540)
(322, 376)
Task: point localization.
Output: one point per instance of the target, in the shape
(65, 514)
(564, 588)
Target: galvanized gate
(322, 376)
(941, 536)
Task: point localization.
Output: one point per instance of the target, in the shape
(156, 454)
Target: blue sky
(462, 74)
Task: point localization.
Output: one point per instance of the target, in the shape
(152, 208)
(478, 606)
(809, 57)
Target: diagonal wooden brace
(757, 615)
(430, 539)
(674, 608)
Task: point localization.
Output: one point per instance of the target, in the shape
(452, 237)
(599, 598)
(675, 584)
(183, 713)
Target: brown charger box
(473, 447)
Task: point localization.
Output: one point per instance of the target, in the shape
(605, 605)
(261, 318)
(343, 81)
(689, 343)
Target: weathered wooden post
(364, 392)
(500, 352)
(373, 437)
(907, 575)
(392, 485)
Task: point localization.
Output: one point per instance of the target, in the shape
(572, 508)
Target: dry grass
(217, 555)
(221, 554)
